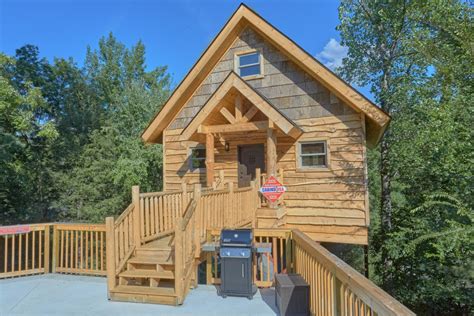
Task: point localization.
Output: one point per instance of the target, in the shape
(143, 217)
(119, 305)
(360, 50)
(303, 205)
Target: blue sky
(175, 33)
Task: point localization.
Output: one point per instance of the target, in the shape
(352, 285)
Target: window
(313, 154)
(249, 64)
(197, 159)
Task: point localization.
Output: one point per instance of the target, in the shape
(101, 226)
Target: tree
(414, 55)
(116, 158)
(25, 136)
(377, 33)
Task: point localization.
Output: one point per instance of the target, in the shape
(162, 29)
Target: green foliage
(24, 136)
(70, 136)
(116, 158)
(417, 57)
(435, 250)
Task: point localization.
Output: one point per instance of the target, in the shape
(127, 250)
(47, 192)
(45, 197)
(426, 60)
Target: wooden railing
(265, 265)
(123, 235)
(72, 248)
(24, 250)
(79, 249)
(124, 243)
(335, 287)
(229, 208)
(186, 251)
(159, 212)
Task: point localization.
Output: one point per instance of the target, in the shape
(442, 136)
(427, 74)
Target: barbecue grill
(235, 250)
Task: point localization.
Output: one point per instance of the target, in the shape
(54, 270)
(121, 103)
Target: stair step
(147, 274)
(135, 289)
(150, 260)
(164, 253)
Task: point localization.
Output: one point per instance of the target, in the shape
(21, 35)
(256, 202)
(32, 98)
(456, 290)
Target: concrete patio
(55, 294)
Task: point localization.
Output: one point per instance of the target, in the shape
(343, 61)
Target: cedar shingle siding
(287, 87)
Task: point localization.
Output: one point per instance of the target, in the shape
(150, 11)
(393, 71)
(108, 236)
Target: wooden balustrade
(79, 249)
(24, 249)
(335, 287)
(186, 251)
(159, 212)
(228, 208)
(124, 243)
(265, 265)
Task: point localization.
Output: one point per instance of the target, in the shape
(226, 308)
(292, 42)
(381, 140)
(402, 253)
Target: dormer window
(249, 64)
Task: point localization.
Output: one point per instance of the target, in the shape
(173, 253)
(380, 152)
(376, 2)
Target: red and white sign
(272, 189)
(11, 230)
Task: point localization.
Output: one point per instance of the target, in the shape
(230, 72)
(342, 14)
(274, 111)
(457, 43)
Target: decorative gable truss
(224, 112)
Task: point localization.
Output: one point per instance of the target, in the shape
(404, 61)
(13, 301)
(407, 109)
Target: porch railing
(56, 247)
(264, 264)
(24, 249)
(186, 250)
(335, 287)
(159, 212)
(79, 249)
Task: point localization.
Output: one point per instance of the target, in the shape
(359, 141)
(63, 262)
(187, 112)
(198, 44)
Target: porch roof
(241, 121)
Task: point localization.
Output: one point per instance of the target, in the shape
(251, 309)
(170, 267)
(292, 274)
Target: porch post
(209, 159)
(271, 156)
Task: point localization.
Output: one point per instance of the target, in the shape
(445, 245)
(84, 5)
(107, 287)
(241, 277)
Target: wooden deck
(147, 262)
(55, 294)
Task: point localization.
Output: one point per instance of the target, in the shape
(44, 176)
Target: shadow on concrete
(268, 296)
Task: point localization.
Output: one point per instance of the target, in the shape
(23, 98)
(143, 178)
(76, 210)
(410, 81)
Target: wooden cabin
(256, 104)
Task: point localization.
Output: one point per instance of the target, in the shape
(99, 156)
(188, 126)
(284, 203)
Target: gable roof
(376, 119)
(233, 81)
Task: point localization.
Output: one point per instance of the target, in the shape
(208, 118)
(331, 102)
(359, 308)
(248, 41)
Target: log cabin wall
(333, 203)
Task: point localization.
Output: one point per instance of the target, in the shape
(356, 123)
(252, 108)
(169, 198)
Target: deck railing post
(196, 216)
(184, 197)
(254, 203)
(231, 208)
(178, 260)
(46, 249)
(280, 178)
(208, 260)
(110, 253)
(258, 183)
(136, 215)
(221, 178)
(55, 250)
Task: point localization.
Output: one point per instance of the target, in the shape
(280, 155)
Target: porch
(52, 294)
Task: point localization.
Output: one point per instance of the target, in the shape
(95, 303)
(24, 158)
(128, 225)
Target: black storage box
(291, 295)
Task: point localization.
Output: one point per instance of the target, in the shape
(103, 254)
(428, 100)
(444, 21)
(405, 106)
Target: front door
(251, 157)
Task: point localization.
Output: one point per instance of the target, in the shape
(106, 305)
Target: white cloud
(332, 54)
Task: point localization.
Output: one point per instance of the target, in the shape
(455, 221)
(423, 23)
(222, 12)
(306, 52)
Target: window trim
(299, 155)
(190, 158)
(247, 52)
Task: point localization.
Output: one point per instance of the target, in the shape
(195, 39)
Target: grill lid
(236, 237)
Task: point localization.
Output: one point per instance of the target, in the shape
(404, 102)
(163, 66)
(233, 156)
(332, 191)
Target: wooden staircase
(154, 246)
(149, 275)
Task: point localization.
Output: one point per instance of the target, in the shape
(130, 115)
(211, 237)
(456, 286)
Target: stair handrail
(120, 242)
(185, 249)
(335, 287)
